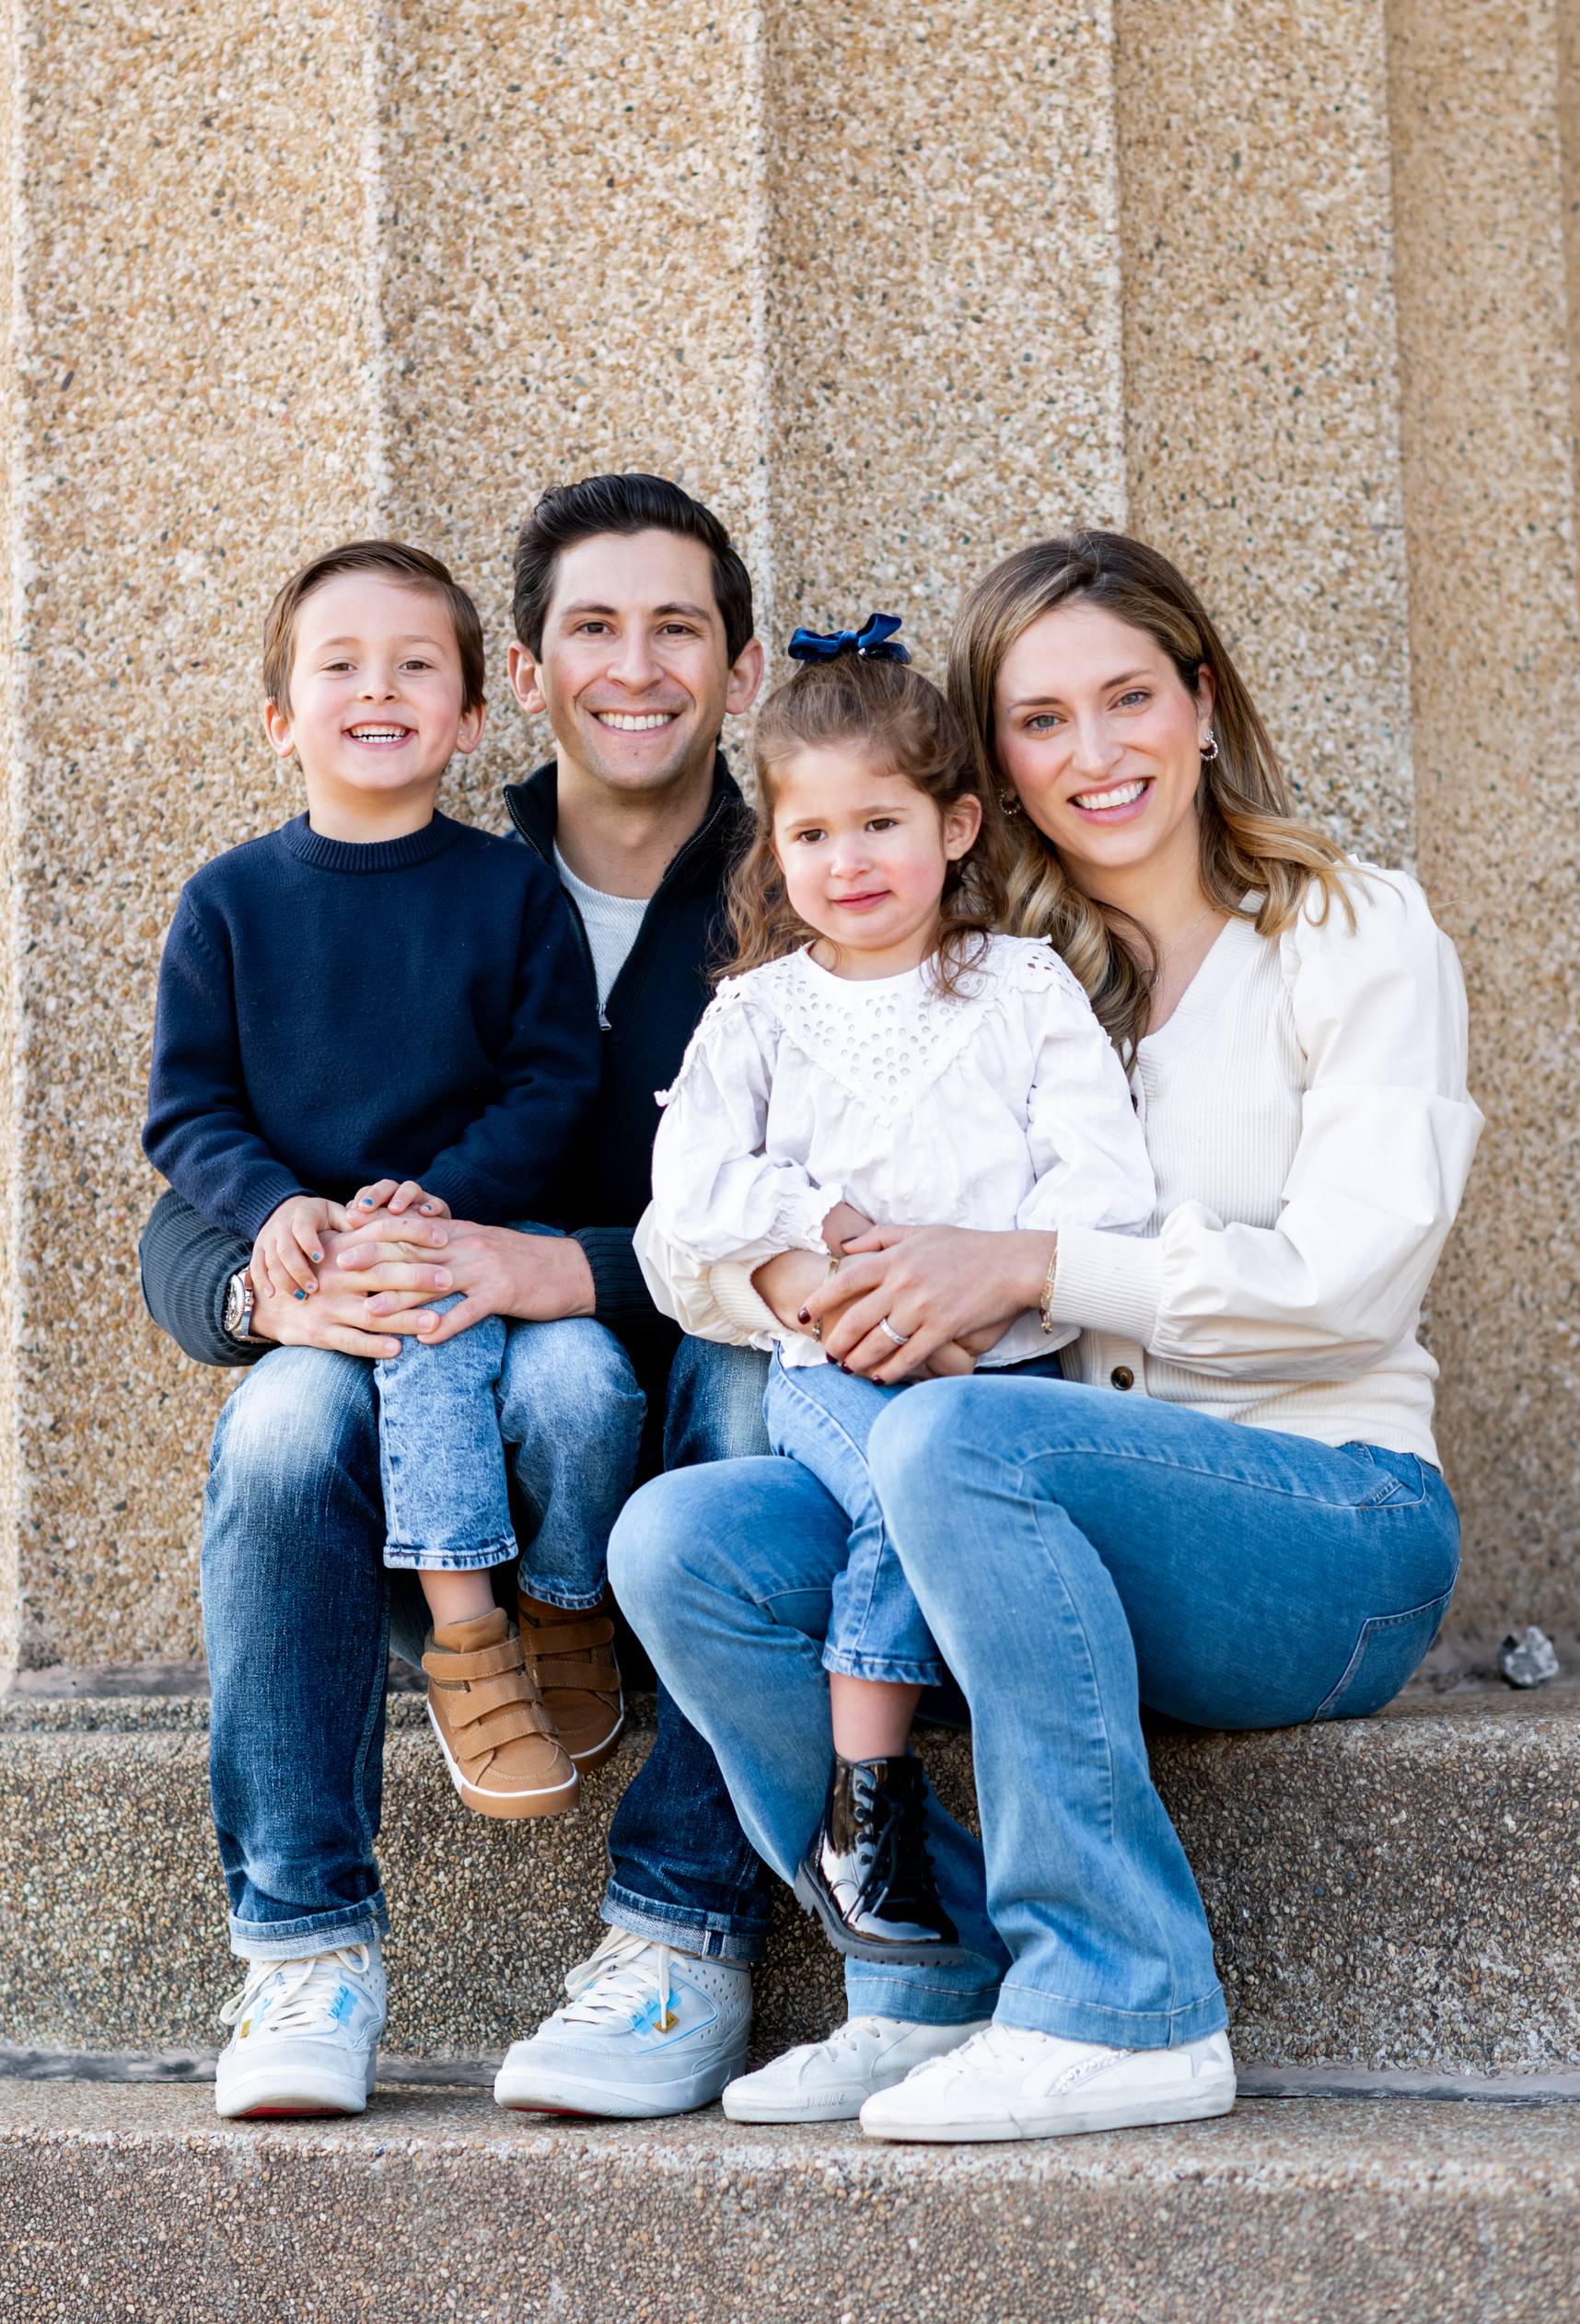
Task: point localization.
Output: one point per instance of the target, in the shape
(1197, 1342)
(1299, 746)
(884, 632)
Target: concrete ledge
(139, 2202)
(1397, 1893)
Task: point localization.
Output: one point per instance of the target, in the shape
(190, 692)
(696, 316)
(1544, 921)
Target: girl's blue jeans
(822, 1417)
(1076, 1552)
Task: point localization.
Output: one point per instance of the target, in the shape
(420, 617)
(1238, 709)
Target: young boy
(372, 928)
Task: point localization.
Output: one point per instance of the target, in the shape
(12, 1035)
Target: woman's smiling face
(1102, 740)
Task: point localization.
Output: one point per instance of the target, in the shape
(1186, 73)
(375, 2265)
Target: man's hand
(290, 1245)
(335, 1318)
(396, 1197)
(498, 1272)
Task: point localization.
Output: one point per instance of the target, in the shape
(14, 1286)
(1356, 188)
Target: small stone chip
(1528, 1660)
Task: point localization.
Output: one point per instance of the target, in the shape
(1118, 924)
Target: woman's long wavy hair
(903, 724)
(1250, 843)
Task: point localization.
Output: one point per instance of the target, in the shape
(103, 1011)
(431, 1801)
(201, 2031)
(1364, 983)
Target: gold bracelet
(1045, 1304)
(834, 1271)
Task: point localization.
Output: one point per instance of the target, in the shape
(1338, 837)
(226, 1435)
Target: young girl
(875, 1055)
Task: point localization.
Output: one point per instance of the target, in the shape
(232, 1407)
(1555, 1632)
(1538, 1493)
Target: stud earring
(1209, 749)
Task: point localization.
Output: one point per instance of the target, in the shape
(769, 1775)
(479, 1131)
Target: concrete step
(1395, 1893)
(137, 2204)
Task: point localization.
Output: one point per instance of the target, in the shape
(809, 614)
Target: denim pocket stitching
(1373, 1627)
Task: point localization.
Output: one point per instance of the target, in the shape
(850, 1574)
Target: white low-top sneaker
(1008, 2083)
(646, 2031)
(828, 2081)
(307, 2035)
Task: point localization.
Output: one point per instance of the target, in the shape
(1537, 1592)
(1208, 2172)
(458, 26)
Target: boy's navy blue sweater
(331, 1014)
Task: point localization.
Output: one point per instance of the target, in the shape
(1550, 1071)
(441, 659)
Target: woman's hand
(498, 1271)
(934, 1283)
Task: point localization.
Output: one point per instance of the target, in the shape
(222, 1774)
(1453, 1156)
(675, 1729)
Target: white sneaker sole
(832, 2106)
(594, 1754)
(531, 2089)
(1211, 2094)
(278, 2087)
(558, 1799)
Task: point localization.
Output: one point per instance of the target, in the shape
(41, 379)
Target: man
(634, 634)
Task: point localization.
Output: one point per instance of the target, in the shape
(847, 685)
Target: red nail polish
(803, 1315)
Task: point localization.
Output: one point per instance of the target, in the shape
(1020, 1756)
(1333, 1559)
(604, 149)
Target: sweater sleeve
(1087, 1144)
(1388, 1132)
(711, 1303)
(717, 1195)
(201, 1133)
(621, 1296)
(186, 1269)
(548, 1069)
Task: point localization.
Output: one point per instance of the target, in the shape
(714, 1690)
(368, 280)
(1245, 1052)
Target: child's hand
(950, 1361)
(396, 1196)
(289, 1243)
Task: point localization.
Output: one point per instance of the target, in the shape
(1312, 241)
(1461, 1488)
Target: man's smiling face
(634, 672)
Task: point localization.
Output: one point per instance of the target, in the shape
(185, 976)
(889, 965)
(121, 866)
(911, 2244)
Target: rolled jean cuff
(712, 1935)
(311, 1932)
(880, 1670)
(875, 1992)
(405, 1556)
(560, 1594)
(1037, 2012)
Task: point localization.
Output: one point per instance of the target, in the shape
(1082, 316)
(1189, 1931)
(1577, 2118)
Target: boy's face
(634, 672)
(376, 694)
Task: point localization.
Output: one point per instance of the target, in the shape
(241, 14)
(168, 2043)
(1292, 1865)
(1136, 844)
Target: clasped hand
(953, 1291)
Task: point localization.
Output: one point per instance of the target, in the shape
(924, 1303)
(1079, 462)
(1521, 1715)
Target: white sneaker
(307, 2035)
(646, 2031)
(827, 2081)
(1008, 2083)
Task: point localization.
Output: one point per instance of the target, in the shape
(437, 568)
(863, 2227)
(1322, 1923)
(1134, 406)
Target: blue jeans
(1075, 1553)
(822, 1417)
(300, 1614)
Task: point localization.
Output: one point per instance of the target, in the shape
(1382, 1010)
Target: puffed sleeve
(1388, 1132)
(716, 1194)
(1087, 1144)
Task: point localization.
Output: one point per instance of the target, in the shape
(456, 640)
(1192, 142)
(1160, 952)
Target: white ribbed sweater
(1310, 1132)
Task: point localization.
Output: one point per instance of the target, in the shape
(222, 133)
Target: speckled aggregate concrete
(138, 2204)
(1283, 287)
(1392, 1893)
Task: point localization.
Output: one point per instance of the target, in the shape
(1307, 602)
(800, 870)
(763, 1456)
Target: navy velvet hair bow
(872, 644)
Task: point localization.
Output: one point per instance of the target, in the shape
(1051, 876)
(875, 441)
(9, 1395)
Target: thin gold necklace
(1174, 947)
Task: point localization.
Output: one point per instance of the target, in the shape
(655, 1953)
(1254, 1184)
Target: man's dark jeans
(301, 1614)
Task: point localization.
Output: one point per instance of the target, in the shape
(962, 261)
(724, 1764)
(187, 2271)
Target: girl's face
(864, 855)
(1098, 733)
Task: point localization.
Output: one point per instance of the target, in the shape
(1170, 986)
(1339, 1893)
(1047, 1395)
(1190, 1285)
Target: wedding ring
(888, 1331)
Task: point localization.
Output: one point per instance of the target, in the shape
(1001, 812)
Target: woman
(1236, 1518)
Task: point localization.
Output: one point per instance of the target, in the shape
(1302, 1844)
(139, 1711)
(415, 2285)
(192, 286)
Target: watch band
(237, 1318)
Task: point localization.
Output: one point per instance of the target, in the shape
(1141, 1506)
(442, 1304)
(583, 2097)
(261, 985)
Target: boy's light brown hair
(396, 562)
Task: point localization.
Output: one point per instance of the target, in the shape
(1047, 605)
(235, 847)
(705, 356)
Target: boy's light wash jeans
(442, 1433)
(300, 1615)
(1075, 1553)
(822, 1417)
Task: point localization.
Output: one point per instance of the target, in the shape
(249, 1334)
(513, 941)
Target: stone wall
(1286, 288)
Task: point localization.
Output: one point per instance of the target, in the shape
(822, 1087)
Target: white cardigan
(999, 1105)
(1310, 1131)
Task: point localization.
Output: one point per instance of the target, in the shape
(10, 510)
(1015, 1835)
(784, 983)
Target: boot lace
(308, 1990)
(626, 1980)
(901, 1862)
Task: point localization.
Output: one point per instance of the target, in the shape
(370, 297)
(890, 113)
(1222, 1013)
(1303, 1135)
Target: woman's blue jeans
(1075, 1553)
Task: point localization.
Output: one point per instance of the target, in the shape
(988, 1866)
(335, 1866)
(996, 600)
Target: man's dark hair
(625, 504)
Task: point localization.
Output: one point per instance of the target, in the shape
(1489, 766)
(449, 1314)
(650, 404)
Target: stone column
(1484, 185)
(188, 410)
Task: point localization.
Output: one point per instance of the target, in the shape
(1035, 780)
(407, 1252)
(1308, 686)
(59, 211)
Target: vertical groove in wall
(758, 377)
(1486, 350)
(375, 229)
(13, 1216)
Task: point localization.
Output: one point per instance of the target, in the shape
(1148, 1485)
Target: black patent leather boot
(867, 1874)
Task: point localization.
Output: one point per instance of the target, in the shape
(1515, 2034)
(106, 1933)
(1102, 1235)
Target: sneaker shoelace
(309, 1990)
(999, 2046)
(627, 1979)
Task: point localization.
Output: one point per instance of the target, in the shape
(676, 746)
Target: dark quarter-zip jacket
(652, 1010)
